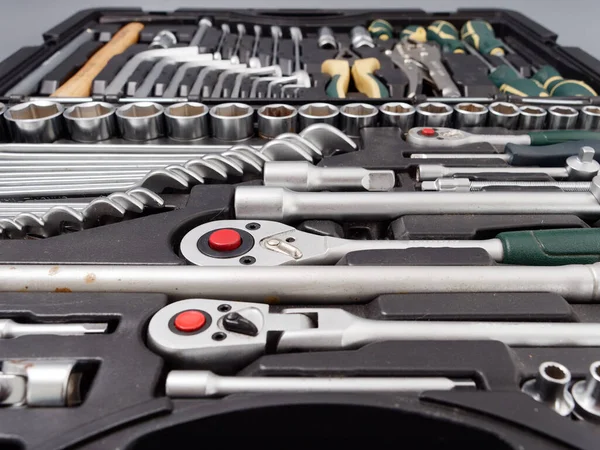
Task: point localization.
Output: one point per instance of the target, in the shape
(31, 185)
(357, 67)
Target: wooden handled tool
(80, 84)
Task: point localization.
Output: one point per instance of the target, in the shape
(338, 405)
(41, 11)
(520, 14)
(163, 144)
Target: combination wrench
(217, 335)
(235, 242)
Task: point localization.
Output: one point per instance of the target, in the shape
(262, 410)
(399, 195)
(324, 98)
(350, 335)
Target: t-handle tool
(347, 63)
(268, 243)
(220, 335)
(10, 329)
(450, 138)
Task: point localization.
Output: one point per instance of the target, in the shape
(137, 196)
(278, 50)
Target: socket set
(375, 218)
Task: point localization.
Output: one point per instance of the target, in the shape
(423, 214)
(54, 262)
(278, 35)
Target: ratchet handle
(558, 136)
(551, 247)
(547, 155)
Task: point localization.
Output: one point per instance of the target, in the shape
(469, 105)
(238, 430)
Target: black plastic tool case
(126, 407)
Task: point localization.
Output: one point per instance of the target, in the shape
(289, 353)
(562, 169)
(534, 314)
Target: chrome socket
(91, 122)
(397, 114)
(550, 386)
(532, 118)
(35, 122)
(468, 115)
(276, 119)
(187, 121)
(312, 113)
(589, 118)
(326, 39)
(433, 114)
(356, 116)
(586, 394)
(504, 115)
(164, 39)
(232, 121)
(141, 121)
(562, 117)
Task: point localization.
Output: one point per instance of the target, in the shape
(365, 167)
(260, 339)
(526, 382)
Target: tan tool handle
(80, 84)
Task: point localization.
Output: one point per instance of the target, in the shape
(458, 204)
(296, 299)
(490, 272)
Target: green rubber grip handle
(548, 155)
(523, 88)
(551, 247)
(557, 86)
(503, 74)
(333, 88)
(383, 91)
(381, 29)
(480, 35)
(559, 136)
(446, 35)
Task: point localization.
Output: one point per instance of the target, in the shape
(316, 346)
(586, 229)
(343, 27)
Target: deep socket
(276, 119)
(312, 113)
(550, 386)
(503, 114)
(141, 121)
(434, 115)
(586, 394)
(91, 122)
(356, 116)
(397, 114)
(187, 121)
(326, 39)
(589, 118)
(232, 121)
(35, 122)
(562, 117)
(470, 115)
(532, 118)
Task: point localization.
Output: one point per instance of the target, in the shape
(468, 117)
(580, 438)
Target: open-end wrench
(225, 30)
(283, 205)
(233, 242)
(234, 334)
(448, 137)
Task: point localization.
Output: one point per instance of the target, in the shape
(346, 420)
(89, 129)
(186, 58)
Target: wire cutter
(347, 63)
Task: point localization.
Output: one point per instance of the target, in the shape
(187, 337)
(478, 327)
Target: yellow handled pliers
(347, 63)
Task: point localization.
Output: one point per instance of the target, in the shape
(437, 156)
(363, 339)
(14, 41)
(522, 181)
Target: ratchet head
(436, 137)
(218, 335)
(255, 243)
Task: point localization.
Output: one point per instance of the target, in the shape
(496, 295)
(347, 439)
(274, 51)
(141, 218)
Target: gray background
(23, 22)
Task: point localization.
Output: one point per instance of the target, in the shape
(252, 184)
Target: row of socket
(44, 121)
(553, 386)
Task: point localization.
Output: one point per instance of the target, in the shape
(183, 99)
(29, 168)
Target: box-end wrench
(450, 138)
(236, 333)
(206, 384)
(581, 167)
(267, 243)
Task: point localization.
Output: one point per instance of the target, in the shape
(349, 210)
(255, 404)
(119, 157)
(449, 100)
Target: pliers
(347, 63)
(420, 61)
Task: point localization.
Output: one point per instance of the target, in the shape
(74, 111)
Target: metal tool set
(218, 223)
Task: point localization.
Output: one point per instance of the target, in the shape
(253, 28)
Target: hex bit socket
(562, 117)
(589, 118)
(550, 386)
(187, 121)
(232, 121)
(434, 114)
(470, 115)
(504, 115)
(586, 394)
(532, 118)
(397, 114)
(35, 122)
(356, 116)
(276, 119)
(91, 121)
(312, 113)
(141, 121)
